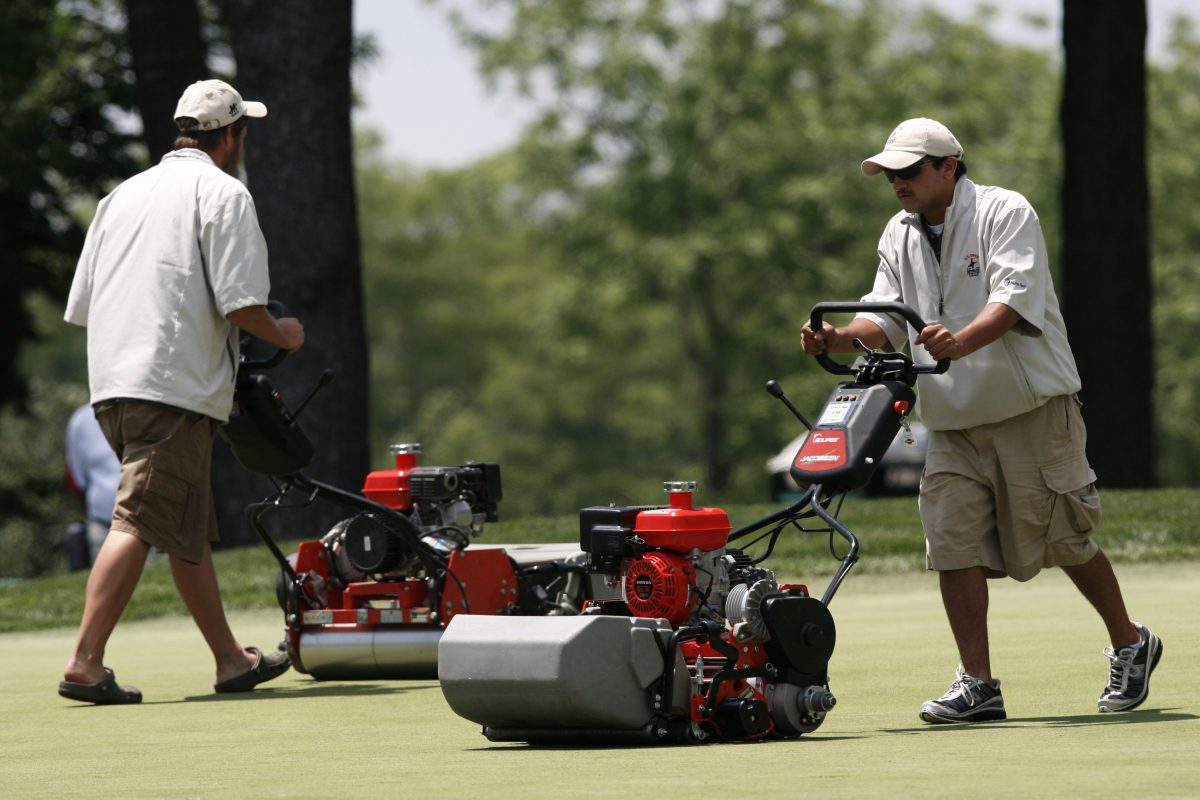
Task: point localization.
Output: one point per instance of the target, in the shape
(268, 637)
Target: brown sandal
(265, 668)
(101, 693)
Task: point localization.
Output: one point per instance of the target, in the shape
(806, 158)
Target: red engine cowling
(680, 527)
(390, 486)
(659, 584)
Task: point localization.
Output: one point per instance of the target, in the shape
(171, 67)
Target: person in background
(1007, 489)
(92, 473)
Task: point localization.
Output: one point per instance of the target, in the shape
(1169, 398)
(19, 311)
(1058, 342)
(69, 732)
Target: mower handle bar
(906, 311)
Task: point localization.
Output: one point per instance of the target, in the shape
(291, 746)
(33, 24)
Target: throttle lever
(324, 380)
(775, 390)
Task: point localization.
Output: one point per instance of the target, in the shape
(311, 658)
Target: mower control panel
(854, 430)
(838, 409)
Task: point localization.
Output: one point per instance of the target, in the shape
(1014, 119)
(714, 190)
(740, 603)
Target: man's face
(239, 147)
(928, 190)
(231, 150)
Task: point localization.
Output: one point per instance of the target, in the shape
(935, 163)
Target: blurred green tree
(547, 308)
(65, 94)
(641, 263)
(702, 161)
(1174, 170)
(65, 87)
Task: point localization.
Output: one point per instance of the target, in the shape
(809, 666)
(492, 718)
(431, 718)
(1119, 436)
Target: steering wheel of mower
(909, 314)
(257, 354)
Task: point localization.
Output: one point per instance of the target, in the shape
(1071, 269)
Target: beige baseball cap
(214, 104)
(912, 140)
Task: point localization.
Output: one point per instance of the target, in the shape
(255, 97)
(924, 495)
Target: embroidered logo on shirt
(972, 260)
(1014, 283)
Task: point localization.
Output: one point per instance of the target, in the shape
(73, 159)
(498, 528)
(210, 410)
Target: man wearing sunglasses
(1007, 489)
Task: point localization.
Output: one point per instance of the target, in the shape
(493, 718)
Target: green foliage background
(645, 258)
(598, 308)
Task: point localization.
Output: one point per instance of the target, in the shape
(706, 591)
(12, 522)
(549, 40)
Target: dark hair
(959, 170)
(206, 140)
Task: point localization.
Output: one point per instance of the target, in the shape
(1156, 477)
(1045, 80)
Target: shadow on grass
(601, 746)
(1140, 717)
(310, 690)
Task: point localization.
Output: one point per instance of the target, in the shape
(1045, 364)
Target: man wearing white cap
(174, 264)
(1007, 489)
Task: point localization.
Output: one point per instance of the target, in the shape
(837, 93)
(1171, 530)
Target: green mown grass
(1156, 526)
(301, 738)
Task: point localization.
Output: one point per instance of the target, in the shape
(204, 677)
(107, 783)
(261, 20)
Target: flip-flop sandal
(265, 668)
(101, 693)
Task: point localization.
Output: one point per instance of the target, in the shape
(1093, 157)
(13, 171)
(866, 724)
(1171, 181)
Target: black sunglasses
(906, 174)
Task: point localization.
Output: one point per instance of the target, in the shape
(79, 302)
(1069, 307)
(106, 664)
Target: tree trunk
(168, 55)
(295, 57)
(1106, 256)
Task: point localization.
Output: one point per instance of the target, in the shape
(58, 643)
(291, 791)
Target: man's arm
(285, 332)
(995, 320)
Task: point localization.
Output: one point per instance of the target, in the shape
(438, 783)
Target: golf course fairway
(297, 737)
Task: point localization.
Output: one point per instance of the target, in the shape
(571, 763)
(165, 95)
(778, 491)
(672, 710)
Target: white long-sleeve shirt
(992, 251)
(169, 254)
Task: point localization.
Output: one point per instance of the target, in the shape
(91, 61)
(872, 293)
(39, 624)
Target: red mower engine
(373, 595)
(666, 557)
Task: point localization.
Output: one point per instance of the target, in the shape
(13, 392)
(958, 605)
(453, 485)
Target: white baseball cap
(912, 140)
(214, 104)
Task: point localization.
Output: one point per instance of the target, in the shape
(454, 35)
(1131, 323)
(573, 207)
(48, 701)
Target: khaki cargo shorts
(165, 493)
(1012, 496)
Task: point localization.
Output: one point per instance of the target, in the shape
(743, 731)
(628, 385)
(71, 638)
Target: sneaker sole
(981, 715)
(1157, 646)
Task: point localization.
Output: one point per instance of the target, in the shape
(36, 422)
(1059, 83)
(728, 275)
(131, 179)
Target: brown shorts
(1012, 496)
(165, 494)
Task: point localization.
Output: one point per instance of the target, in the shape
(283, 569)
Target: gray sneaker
(1129, 673)
(969, 700)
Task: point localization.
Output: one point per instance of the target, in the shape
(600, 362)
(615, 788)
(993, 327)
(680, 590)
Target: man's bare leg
(197, 585)
(965, 596)
(1097, 582)
(110, 586)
